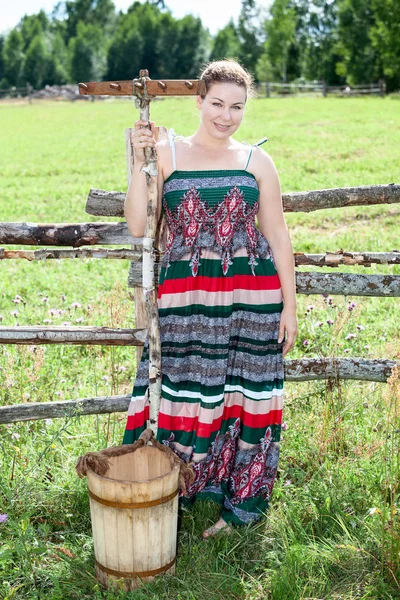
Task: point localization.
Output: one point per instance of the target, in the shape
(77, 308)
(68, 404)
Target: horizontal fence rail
(328, 259)
(343, 284)
(111, 204)
(306, 369)
(95, 336)
(66, 234)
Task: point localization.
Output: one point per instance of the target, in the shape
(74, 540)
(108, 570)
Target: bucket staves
(134, 513)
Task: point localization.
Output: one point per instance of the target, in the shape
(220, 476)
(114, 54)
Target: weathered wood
(81, 253)
(66, 234)
(329, 259)
(363, 369)
(341, 197)
(348, 284)
(342, 284)
(59, 410)
(334, 259)
(172, 87)
(94, 336)
(111, 204)
(305, 369)
(149, 282)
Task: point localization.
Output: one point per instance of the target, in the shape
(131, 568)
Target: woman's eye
(216, 104)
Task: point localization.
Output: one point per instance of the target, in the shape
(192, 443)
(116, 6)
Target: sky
(214, 14)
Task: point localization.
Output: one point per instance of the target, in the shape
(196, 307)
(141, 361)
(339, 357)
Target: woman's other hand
(288, 329)
(142, 137)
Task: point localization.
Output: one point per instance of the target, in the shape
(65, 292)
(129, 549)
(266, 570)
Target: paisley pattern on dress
(227, 219)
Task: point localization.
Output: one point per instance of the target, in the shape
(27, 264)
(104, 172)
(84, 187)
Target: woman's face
(222, 109)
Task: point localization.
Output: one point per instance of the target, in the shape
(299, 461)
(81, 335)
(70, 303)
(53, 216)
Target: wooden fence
(76, 240)
(269, 89)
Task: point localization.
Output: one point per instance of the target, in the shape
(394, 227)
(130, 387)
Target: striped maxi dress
(219, 302)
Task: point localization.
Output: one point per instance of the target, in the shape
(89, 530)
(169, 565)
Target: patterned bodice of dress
(212, 209)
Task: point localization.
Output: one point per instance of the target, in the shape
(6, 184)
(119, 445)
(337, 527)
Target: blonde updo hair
(227, 71)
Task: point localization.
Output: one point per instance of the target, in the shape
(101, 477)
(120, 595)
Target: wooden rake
(144, 90)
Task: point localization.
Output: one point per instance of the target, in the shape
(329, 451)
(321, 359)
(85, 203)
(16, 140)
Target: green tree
(87, 53)
(14, 58)
(359, 59)
(385, 39)
(100, 13)
(193, 46)
(280, 29)
(226, 43)
(316, 38)
(32, 26)
(251, 34)
(37, 62)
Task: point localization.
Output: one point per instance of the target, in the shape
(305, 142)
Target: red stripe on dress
(170, 423)
(219, 284)
(138, 419)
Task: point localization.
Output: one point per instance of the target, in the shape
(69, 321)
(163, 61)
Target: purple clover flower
(3, 517)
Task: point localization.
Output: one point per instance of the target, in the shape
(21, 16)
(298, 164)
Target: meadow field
(332, 530)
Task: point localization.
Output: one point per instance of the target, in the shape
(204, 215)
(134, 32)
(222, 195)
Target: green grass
(328, 533)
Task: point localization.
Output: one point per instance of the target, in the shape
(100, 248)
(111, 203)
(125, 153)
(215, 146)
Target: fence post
(382, 86)
(267, 89)
(29, 92)
(324, 88)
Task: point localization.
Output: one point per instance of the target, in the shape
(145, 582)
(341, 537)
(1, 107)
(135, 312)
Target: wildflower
(346, 350)
(319, 323)
(15, 436)
(14, 313)
(17, 299)
(310, 307)
(89, 307)
(58, 393)
(66, 324)
(63, 297)
(53, 312)
(329, 322)
(350, 336)
(367, 346)
(46, 321)
(63, 381)
(360, 327)
(60, 312)
(306, 343)
(45, 299)
(287, 482)
(1, 318)
(284, 426)
(121, 368)
(75, 305)
(48, 421)
(3, 517)
(105, 378)
(79, 320)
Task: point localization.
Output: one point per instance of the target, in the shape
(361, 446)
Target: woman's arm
(135, 206)
(272, 224)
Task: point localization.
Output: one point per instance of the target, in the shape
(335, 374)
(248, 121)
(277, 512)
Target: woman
(226, 300)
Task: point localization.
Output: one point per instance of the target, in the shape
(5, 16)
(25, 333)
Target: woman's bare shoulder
(262, 165)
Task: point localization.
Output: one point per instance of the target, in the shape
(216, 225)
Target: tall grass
(332, 530)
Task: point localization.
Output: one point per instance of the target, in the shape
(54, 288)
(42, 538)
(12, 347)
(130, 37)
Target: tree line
(338, 41)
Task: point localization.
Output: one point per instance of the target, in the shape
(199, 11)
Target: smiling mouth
(221, 127)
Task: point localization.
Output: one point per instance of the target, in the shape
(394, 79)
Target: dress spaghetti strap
(262, 141)
(171, 138)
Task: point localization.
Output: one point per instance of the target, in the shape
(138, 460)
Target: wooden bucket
(134, 512)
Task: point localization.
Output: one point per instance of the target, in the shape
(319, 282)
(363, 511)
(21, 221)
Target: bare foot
(220, 525)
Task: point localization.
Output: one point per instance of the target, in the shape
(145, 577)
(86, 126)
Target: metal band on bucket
(114, 504)
(135, 573)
